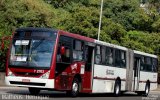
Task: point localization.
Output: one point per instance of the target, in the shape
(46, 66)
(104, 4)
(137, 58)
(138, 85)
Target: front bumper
(34, 82)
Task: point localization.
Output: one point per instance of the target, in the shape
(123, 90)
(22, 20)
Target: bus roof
(124, 48)
(77, 36)
(144, 54)
(110, 45)
(35, 29)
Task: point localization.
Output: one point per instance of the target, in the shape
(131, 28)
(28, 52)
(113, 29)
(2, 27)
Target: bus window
(142, 64)
(148, 60)
(154, 65)
(66, 43)
(148, 64)
(103, 50)
(123, 59)
(98, 55)
(78, 50)
(120, 58)
(109, 56)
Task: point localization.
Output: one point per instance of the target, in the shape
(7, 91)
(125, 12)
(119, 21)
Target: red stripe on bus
(106, 78)
(100, 78)
(146, 81)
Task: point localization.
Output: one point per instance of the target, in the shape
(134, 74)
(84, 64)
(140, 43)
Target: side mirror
(62, 50)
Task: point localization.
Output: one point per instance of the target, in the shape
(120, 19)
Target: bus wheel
(34, 91)
(140, 93)
(147, 89)
(75, 88)
(117, 88)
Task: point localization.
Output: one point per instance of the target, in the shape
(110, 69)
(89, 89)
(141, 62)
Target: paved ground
(14, 93)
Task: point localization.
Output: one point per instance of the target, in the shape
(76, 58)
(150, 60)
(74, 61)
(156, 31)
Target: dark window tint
(98, 55)
(154, 65)
(120, 58)
(109, 56)
(78, 50)
(148, 64)
(103, 51)
(65, 42)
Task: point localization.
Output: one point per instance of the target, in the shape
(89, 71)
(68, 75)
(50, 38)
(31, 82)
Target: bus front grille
(27, 83)
(27, 74)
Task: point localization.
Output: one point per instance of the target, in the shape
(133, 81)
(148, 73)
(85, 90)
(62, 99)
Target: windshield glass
(32, 51)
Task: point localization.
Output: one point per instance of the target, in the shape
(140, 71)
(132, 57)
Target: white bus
(118, 69)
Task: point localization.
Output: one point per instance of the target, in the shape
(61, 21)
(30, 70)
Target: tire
(117, 88)
(74, 89)
(34, 91)
(147, 89)
(139, 93)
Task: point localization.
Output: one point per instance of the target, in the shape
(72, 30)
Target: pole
(100, 19)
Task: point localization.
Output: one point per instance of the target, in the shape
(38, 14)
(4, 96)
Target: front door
(89, 54)
(136, 73)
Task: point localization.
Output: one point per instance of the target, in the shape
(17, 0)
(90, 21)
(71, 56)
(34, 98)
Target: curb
(2, 78)
(10, 88)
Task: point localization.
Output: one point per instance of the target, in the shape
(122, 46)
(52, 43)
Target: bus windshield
(32, 49)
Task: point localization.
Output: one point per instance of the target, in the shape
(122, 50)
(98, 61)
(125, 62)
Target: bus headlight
(46, 75)
(10, 73)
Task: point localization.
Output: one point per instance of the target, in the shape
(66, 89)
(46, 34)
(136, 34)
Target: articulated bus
(47, 59)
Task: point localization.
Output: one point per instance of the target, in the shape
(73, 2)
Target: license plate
(25, 80)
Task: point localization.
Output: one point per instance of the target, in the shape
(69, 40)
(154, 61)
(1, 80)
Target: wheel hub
(75, 87)
(147, 90)
(117, 89)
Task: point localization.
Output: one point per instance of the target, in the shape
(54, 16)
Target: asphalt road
(14, 93)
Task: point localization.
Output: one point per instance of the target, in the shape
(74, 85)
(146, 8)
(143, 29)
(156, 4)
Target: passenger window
(154, 65)
(120, 58)
(66, 43)
(103, 50)
(148, 64)
(142, 64)
(123, 59)
(109, 56)
(78, 50)
(98, 55)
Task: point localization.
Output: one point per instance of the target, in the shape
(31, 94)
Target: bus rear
(31, 59)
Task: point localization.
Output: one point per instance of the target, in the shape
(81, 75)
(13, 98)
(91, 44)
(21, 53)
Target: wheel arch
(78, 76)
(148, 82)
(118, 79)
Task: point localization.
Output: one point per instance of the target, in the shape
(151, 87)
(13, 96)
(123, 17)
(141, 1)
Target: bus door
(89, 54)
(136, 73)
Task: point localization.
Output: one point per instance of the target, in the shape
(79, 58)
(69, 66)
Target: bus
(48, 59)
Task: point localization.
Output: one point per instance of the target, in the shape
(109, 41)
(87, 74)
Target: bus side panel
(144, 76)
(105, 76)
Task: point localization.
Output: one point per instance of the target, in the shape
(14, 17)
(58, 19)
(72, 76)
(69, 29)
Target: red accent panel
(23, 70)
(53, 64)
(8, 53)
(86, 91)
(86, 85)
